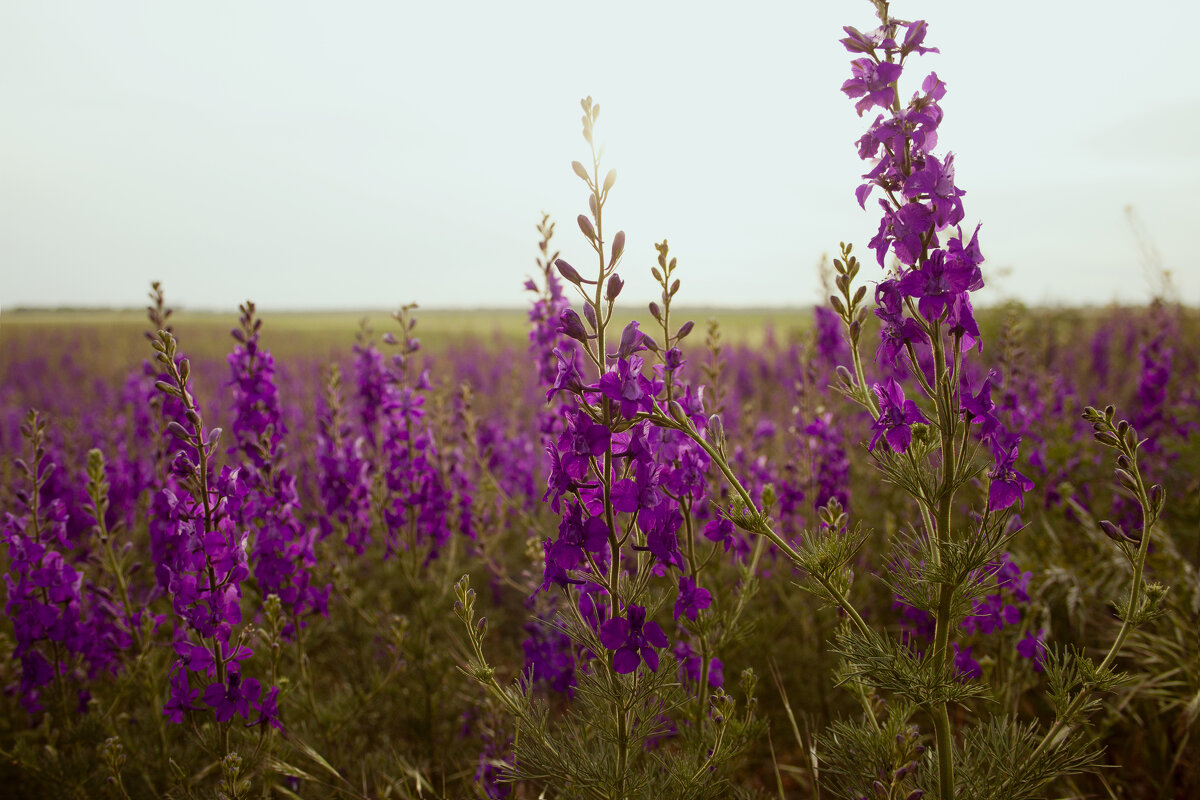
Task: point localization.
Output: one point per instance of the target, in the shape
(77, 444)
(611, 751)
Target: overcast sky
(366, 154)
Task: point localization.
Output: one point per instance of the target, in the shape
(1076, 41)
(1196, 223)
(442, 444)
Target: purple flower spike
(897, 415)
(633, 639)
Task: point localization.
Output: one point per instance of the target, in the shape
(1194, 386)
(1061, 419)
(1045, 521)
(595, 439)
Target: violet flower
(897, 415)
(633, 639)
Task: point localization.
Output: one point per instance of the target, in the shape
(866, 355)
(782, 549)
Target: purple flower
(935, 181)
(966, 666)
(872, 82)
(979, 407)
(937, 282)
(1033, 646)
(183, 697)
(232, 698)
(897, 415)
(1007, 485)
(626, 386)
(633, 639)
(898, 330)
(692, 599)
(268, 709)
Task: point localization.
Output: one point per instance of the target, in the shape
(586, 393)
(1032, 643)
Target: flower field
(893, 547)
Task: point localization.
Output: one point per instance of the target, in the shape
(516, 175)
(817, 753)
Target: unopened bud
(569, 324)
(684, 330)
(178, 431)
(615, 285)
(585, 225)
(568, 272)
(618, 247)
(845, 377)
(610, 179)
(716, 431)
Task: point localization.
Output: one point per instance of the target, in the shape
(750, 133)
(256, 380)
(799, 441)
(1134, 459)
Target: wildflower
(633, 639)
(897, 415)
(692, 598)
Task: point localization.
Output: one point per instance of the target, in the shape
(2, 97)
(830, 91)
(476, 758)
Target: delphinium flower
(831, 349)
(281, 546)
(417, 502)
(343, 473)
(830, 470)
(628, 540)
(205, 579)
(633, 640)
(45, 600)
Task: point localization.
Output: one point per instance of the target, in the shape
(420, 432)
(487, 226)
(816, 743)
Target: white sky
(366, 154)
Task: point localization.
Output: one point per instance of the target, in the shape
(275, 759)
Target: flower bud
(568, 272)
(610, 179)
(716, 431)
(178, 431)
(585, 225)
(589, 314)
(684, 330)
(618, 247)
(615, 284)
(569, 324)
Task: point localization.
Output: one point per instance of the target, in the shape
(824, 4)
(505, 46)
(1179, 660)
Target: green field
(115, 337)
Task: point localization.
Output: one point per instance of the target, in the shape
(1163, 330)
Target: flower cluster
(927, 298)
(204, 579)
(282, 547)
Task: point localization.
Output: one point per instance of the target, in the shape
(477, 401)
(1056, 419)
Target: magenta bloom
(183, 697)
(234, 698)
(872, 82)
(1033, 646)
(692, 599)
(897, 415)
(898, 331)
(634, 640)
(980, 407)
(627, 387)
(1008, 485)
(966, 666)
(939, 280)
